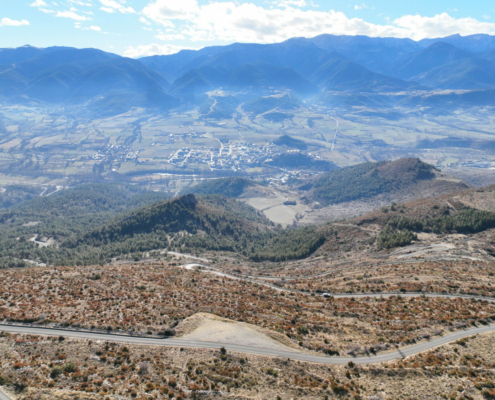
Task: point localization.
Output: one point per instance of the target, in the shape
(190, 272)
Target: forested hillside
(230, 187)
(92, 225)
(400, 230)
(62, 215)
(367, 180)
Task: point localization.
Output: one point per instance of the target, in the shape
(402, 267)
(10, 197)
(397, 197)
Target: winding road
(293, 355)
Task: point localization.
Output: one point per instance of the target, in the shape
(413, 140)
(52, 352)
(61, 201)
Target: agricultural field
(173, 149)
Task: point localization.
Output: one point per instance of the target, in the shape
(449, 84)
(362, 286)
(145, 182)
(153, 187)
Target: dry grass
(155, 298)
(462, 277)
(103, 370)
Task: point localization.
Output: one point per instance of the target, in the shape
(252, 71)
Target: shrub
(70, 367)
(272, 372)
(302, 330)
(338, 389)
(56, 372)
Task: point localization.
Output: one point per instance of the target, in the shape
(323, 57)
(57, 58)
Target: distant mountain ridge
(327, 69)
(76, 76)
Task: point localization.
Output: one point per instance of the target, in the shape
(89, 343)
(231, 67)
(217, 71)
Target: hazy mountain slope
(72, 76)
(110, 84)
(10, 56)
(263, 75)
(488, 55)
(375, 54)
(313, 63)
(261, 105)
(470, 73)
(196, 82)
(219, 107)
(122, 75)
(300, 55)
(259, 75)
(56, 56)
(12, 83)
(337, 74)
(174, 66)
(475, 43)
(423, 61)
(53, 69)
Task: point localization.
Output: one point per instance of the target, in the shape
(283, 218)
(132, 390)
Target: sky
(138, 28)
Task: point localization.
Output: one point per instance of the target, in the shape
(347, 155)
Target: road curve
(218, 272)
(293, 355)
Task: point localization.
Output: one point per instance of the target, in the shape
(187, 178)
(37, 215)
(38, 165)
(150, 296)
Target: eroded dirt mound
(210, 328)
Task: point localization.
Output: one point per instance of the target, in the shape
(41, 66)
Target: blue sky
(143, 27)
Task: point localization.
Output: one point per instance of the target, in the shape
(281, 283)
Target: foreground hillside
(172, 373)
(158, 299)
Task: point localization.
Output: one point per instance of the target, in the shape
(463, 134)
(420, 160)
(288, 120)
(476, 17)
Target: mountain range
(349, 70)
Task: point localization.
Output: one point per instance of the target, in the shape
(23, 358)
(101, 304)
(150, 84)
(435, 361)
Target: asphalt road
(394, 355)
(3, 396)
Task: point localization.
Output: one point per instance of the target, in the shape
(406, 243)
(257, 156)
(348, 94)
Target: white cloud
(442, 25)
(168, 37)
(360, 7)
(162, 10)
(12, 22)
(246, 22)
(487, 17)
(38, 3)
(154, 49)
(47, 11)
(77, 25)
(112, 6)
(144, 21)
(291, 3)
(72, 15)
(80, 3)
